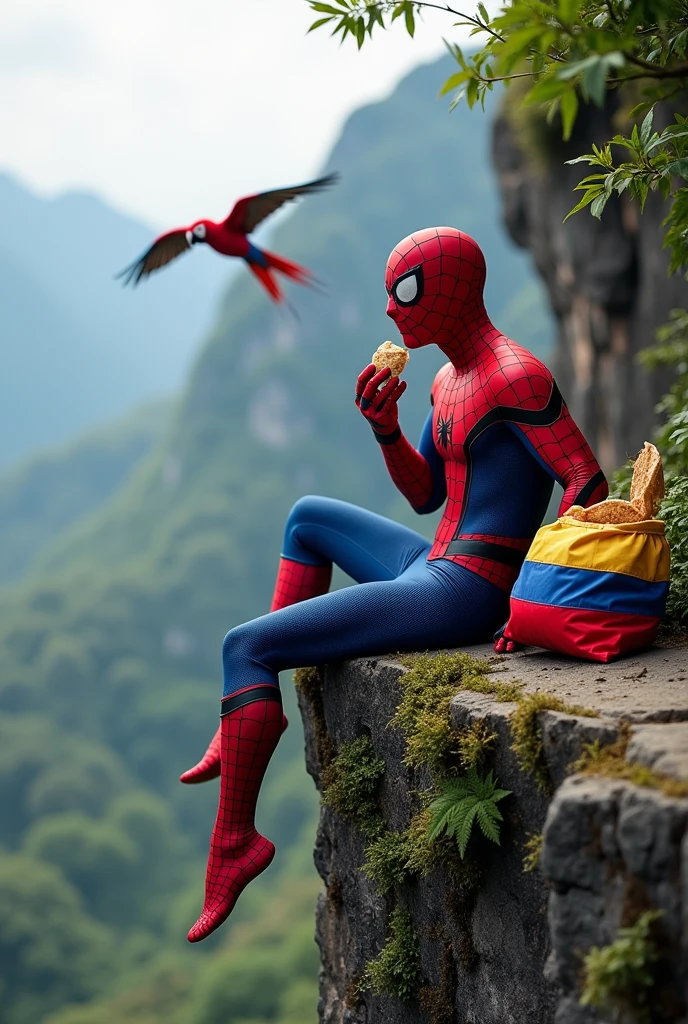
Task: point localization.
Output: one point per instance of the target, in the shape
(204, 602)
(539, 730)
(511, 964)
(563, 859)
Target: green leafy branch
(564, 44)
(570, 50)
(656, 158)
(461, 803)
(358, 18)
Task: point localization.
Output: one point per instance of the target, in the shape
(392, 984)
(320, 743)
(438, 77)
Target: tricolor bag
(591, 590)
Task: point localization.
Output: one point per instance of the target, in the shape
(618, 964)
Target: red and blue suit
(497, 436)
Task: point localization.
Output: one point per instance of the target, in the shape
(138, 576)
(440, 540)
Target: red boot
(249, 733)
(295, 582)
(209, 766)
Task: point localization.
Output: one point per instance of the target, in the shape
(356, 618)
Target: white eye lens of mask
(407, 289)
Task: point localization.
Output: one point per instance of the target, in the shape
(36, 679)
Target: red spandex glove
(379, 407)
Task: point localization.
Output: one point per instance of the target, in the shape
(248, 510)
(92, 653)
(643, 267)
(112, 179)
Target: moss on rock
(309, 682)
(610, 760)
(527, 734)
(351, 782)
(396, 971)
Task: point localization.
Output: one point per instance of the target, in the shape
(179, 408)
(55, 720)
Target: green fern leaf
(481, 787)
(441, 814)
(459, 814)
(492, 812)
(486, 821)
(461, 802)
(453, 818)
(437, 826)
(464, 833)
(443, 808)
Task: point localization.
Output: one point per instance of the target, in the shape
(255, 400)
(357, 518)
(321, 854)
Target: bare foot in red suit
(295, 582)
(238, 853)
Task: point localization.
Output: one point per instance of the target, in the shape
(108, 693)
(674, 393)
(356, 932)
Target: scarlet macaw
(229, 238)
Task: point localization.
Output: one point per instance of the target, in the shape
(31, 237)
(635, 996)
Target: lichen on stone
(434, 679)
(424, 712)
(610, 760)
(351, 782)
(422, 855)
(309, 682)
(533, 849)
(396, 970)
(527, 734)
(452, 755)
(433, 741)
(387, 861)
(475, 742)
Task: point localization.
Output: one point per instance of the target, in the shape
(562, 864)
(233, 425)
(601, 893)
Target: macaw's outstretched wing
(251, 210)
(163, 250)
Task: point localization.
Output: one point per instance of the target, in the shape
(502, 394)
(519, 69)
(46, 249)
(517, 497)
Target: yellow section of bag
(635, 549)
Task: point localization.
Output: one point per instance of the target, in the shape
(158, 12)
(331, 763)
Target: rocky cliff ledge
(594, 839)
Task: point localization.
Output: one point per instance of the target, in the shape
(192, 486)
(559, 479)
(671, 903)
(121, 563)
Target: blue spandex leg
(430, 605)
(366, 546)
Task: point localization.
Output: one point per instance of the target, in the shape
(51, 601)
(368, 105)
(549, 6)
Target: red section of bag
(593, 635)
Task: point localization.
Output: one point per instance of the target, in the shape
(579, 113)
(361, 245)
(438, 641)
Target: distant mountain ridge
(75, 347)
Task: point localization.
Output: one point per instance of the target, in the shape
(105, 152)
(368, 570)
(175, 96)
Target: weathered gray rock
(651, 687)
(511, 951)
(611, 851)
(662, 747)
(496, 984)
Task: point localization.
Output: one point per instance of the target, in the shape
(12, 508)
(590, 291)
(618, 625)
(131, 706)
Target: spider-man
(497, 437)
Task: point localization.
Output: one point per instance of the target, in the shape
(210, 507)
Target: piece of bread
(647, 490)
(647, 485)
(611, 511)
(391, 355)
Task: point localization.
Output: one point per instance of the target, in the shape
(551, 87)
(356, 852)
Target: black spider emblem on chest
(444, 430)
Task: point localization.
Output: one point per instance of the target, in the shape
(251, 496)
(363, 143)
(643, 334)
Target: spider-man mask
(435, 281)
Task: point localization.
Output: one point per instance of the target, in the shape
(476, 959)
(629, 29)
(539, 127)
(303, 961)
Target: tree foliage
(570, 51)
(50, 948)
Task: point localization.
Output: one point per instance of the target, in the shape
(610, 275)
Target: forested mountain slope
(110, 651)
(46, 493)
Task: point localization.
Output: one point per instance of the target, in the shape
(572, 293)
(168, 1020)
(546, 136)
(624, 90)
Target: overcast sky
(171, 109)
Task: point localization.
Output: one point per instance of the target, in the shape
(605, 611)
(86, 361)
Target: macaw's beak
(190, 237)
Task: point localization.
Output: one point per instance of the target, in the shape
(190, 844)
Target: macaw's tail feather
(268, 281)
(264, 264)
(289, 269)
